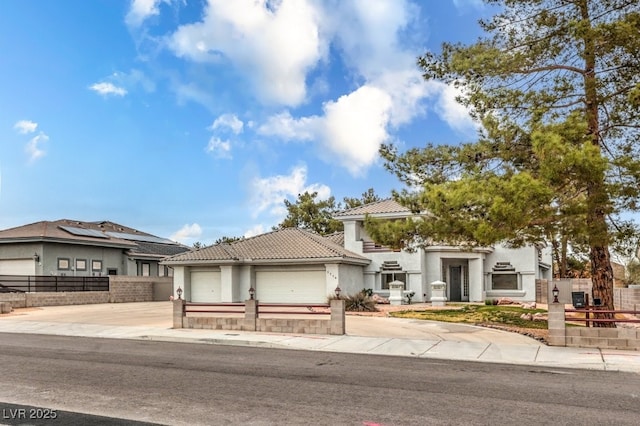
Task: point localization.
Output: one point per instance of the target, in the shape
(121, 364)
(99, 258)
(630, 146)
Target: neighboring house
(75, 248)
(294, 265)
(289, 265)
(471, 274)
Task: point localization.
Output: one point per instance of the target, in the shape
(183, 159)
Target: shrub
(359, 302)
(409, 296)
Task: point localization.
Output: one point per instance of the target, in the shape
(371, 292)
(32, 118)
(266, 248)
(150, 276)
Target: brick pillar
(557, 333)
(250, 314)
(178, 313)
(337, 317)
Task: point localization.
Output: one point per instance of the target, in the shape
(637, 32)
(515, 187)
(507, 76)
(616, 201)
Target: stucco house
(294, 265)
(471, 275)
(75, 248)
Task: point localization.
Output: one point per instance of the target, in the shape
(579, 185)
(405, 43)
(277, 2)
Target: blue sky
(194, 120)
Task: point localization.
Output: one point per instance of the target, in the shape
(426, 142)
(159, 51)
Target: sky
(196, 119)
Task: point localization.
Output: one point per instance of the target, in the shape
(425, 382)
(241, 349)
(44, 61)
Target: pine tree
(555, 85)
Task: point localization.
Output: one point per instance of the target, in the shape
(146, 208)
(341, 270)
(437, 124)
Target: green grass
(477, 314)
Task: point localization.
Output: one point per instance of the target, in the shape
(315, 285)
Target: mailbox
(578, 299)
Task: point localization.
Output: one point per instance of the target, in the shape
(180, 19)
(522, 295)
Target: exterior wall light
(252, 292)
(338, 290)
(556, 293)
(179, 291)
(36, 257)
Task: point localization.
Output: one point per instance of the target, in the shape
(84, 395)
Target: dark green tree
(555, 85)
(367, 197)
(227, 240)
(308, 212)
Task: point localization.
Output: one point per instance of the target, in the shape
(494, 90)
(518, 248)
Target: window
(388, 277)
(81, 264)
(146, 268)
(63, 264)
(504, 281)
(112, 271)
(96, 265)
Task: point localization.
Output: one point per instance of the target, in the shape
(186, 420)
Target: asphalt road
(189, 384)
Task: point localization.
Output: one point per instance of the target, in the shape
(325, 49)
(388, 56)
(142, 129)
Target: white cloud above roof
(351, 128)
(268, 194)
(188, 234)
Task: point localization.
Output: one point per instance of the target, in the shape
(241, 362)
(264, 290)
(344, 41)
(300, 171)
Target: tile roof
(288, 245)
(336, 237)
(382, 207)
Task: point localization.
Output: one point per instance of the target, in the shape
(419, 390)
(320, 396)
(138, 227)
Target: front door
(455, 283)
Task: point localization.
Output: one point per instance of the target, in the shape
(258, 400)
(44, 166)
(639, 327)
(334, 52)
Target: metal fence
(42, 283)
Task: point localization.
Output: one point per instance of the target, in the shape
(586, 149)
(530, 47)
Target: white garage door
(18, 267)
(291, 286)
(205, 286)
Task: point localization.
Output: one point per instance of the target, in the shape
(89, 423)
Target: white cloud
(133, 78)
(288, 128)
(351, 129)
(219, 148)
(106, 89)
(466, 4)
(188, 234)
(452, 112)
(228, 121)
(253, 231)
(140, 10)
(34, 148)
(391, 91)
(25, 126)
(192, 92)
(274, 44)
(268, 194)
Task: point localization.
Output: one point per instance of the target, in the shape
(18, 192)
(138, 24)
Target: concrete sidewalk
(365, 335)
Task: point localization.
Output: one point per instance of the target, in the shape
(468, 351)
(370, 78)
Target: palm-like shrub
(359, 302)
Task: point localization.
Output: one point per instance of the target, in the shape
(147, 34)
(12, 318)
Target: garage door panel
(291, 286)
(206, 287)
(17, 267)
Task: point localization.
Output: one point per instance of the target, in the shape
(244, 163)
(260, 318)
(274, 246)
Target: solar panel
(83, 232)
(142, 238)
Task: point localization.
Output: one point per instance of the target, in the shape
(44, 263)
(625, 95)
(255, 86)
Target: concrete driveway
(159, 315)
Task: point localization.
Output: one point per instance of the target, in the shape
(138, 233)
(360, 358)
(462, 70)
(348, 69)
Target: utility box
(578, 299)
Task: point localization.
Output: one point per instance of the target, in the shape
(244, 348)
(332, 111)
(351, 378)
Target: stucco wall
(351, 279)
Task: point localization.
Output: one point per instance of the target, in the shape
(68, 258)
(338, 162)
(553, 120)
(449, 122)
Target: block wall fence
(251, 321)
(122, 289)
